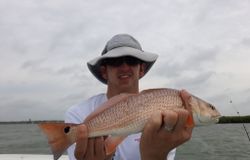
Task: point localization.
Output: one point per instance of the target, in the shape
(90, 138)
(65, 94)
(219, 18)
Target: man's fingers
(186, 97)
(154, 123)
(170, 119)
(90, 150)
(81, 141)
(99, 147)
(185, 125)
(182, 115)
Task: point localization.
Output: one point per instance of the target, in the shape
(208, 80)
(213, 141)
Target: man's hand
(89, 148)
(165, 131)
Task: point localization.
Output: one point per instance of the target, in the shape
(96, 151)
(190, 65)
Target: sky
(203, 47)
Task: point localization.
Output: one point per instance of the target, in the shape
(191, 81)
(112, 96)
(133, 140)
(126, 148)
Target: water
(216, 142)
(22, 138)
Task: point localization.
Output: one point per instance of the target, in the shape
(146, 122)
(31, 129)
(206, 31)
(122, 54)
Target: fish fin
(112, 142)
(151, 90)
(190, 121)
(111, 102)
(159, 89)
(59, 136)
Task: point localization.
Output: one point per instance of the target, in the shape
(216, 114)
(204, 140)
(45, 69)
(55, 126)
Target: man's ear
(142, 69)
(103, 71)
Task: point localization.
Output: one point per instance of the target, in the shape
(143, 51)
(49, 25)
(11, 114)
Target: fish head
(204, 113)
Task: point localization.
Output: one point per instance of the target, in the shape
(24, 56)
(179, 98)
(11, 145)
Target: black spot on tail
(67, 129)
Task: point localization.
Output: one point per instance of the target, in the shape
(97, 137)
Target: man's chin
(124, 81)
(125, 87)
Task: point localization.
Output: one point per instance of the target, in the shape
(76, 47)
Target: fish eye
(67, 129)
(212, 107)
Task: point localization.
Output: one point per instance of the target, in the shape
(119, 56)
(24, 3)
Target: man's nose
(124, 66)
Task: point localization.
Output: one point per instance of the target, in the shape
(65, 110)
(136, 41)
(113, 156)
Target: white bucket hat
(121, 45)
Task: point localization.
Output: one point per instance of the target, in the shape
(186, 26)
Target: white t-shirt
(127, 150)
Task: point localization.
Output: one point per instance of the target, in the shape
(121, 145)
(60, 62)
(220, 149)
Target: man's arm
(157, 140)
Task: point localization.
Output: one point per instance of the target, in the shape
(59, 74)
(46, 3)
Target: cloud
(188, 66)
(45, 45)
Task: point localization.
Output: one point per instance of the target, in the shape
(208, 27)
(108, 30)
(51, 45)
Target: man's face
(123, 73)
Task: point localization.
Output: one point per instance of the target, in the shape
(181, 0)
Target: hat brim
(148, 58)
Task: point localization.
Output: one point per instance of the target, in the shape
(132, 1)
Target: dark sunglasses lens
(116, 62)
(131, 61)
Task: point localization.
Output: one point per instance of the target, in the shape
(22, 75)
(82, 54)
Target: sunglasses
(116, 62)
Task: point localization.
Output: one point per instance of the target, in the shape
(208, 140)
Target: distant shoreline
(235, 119)
(223, 119)
(31, 122)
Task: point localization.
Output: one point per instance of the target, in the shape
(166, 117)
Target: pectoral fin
(112, 142)
(190, 121)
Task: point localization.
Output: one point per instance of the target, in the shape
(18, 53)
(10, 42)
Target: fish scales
(131, 114)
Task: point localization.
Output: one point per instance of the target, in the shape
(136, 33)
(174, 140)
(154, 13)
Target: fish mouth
(202, 120)
(216, 119)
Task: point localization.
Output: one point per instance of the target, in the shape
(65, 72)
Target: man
(121, 65)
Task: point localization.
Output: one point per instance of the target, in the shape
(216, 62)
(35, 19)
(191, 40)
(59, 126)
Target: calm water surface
(216, 142)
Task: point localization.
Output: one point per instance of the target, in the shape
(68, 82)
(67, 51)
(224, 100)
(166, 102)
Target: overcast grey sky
(203, 46)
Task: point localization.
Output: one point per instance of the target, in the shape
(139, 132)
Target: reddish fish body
(126, 114)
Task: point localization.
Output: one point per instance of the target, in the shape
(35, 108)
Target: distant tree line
(223, 119)
(31, 122)
(235, 119)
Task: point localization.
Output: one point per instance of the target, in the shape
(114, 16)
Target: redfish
(126, 114)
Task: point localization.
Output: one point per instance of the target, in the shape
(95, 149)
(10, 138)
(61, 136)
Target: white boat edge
(30, 157)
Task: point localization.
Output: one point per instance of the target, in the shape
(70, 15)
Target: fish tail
(59, 136)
